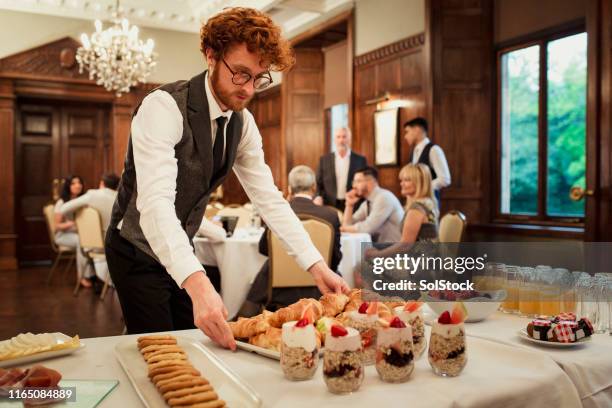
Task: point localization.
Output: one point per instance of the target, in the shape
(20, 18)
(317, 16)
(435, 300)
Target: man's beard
(225, 97)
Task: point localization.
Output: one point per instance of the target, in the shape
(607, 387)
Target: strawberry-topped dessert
(342, 365)
(365, 320)
(299, 348)
(412, 313)
(394, 350)
(447, 353)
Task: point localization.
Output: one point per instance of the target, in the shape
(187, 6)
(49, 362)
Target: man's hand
(351, 198)
(209, 312)
(326, 280)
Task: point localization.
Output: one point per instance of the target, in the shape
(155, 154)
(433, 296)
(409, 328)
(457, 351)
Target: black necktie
(218, 146)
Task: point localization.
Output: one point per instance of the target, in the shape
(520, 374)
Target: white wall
(179, 53)
(381, 22)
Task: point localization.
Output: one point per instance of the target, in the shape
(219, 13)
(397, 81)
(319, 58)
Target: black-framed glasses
(261, 81)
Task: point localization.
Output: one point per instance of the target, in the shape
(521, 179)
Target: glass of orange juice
(529, 299)
(511, 304)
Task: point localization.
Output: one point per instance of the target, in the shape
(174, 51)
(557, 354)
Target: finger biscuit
(178, 378)
(167, 369)
(187, 391)
(177, 372)
(194, 398)
(178, 385)
(173, 349)
(159, 347)
(167, 356)
(164, 363)
(210, 404)
(156, 337)
(145, 343)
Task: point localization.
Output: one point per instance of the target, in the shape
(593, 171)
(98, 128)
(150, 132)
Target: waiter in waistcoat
(426, 152)
(185, 138)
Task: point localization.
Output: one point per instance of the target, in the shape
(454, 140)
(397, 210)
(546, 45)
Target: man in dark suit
(302, 188)
(336, 171)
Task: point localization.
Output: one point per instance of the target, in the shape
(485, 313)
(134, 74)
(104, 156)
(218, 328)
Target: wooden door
(53, 140)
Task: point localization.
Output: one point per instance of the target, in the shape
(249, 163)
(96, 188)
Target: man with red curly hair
(185, 138)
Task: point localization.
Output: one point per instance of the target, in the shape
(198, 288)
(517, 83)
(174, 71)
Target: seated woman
(421, 219)
(65, 228)
(420, 223)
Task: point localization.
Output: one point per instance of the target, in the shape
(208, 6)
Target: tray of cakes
(563, 330)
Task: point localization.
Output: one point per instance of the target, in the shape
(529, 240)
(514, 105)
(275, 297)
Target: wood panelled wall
(398, 69)
(460, 35)
(266, 110)
(48, 76)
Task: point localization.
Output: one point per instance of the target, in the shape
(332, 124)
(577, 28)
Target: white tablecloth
(497, 375)
(239, 261)
(589, 366)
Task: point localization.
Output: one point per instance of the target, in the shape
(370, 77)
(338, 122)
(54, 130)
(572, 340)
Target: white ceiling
(183, 15)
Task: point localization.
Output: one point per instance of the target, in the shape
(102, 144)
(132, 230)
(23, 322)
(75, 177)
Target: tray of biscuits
(176, 371)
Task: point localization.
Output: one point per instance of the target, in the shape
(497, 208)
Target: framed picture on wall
(386, 149)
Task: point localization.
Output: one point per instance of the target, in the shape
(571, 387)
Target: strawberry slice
(302, 322)
(445, 318)
(363, 308)
(412, 306)
(338, 331)
(397, 323)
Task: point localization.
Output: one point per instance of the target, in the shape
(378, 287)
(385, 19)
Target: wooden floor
(28, 304)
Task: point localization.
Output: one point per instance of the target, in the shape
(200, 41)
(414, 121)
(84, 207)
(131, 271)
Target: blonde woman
(421, 219)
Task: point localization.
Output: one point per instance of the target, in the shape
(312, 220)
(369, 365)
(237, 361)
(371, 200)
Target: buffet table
(588, 366)
(496, 375)
(239, 261)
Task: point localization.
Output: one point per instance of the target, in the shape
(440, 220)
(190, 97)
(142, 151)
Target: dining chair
(452, 227)
(284, 270)
(62, 252)
(91, 241)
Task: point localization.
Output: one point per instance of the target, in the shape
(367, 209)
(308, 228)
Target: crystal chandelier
(116, 57)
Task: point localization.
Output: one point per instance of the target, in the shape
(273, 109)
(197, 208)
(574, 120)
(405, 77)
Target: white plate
(45, 355)
(523, 334)
(230, 388)
(273, 354)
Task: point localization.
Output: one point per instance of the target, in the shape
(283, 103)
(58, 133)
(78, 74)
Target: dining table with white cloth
(496, 375)
(239, 261)
(588, 365)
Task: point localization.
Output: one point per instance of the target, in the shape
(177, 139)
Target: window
(542, 119)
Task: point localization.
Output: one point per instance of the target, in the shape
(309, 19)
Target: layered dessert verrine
(342, 360)
(299, 349)
(394, 354)
(412, 314)
(365, 320)
(447, 347)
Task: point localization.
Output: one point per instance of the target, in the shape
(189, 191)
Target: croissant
(354, 300)
(294, 312)
(333, 303)
(270, 339)
(249, 327)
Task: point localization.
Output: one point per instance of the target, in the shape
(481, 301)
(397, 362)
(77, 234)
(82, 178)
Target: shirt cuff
(308, 258)
(181, 269)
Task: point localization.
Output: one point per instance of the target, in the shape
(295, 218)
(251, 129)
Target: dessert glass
(415, 320)
(367, 325)
(299, 351)
(394, 353)
(447, 349)
(342, 362)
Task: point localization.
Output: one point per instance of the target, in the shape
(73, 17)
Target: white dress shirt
(381, 215)
(342, 170)
(156, 129)
(437, 159)
(101, 199)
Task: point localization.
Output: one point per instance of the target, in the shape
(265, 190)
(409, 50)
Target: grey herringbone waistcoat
(195, 181)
